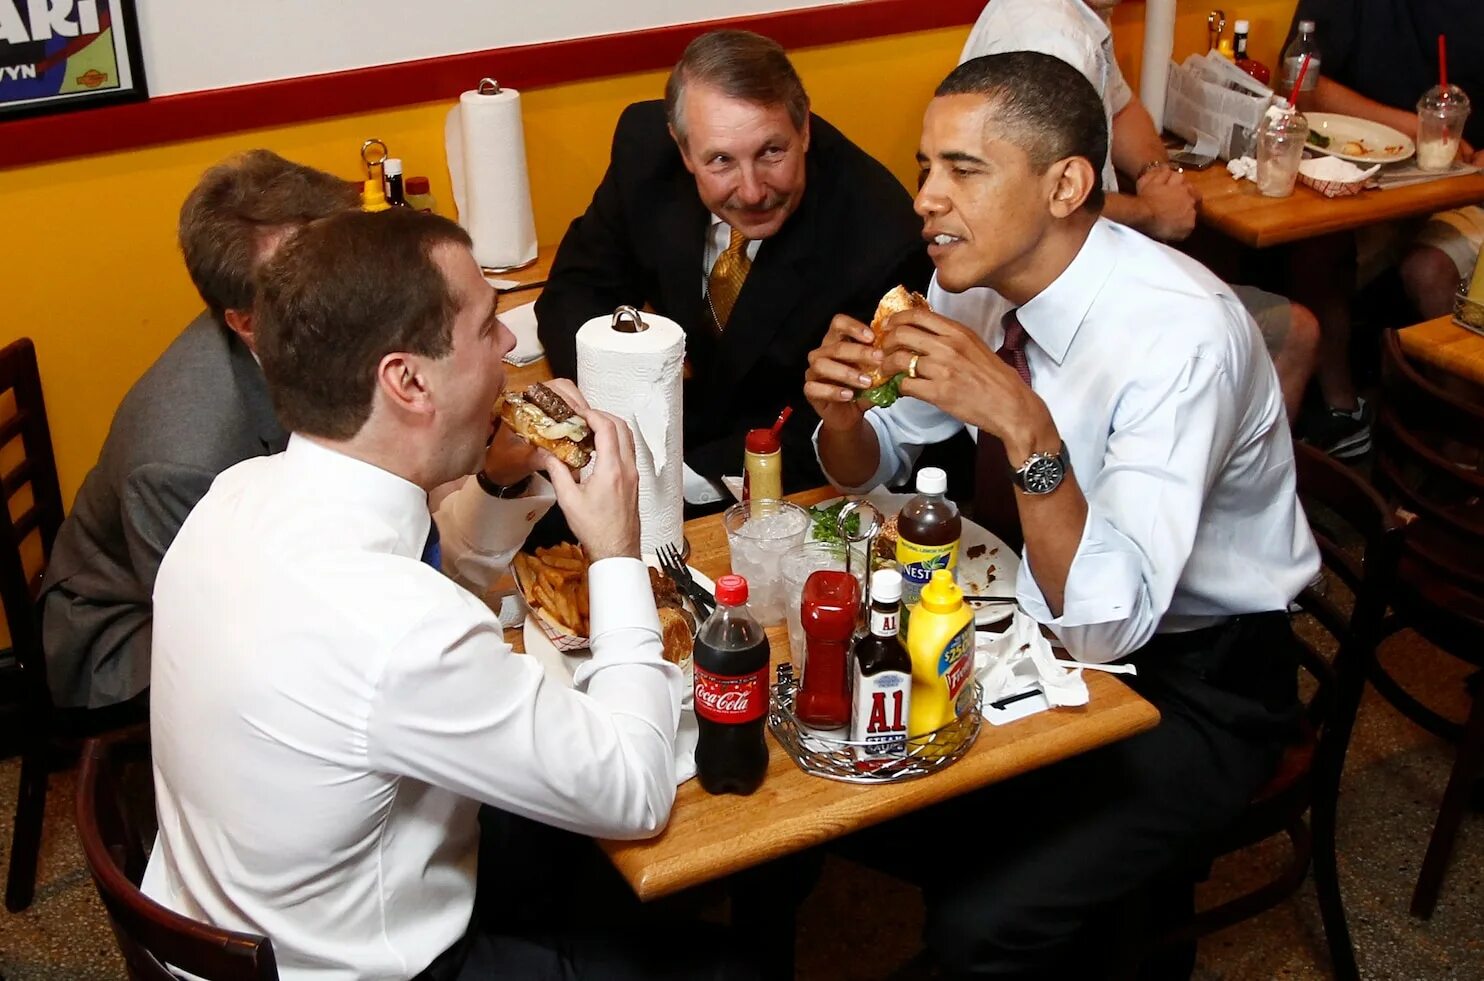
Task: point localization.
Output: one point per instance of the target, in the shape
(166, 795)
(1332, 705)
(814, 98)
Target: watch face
(1043, 474)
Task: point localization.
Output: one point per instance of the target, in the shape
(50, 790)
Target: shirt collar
(1052, 316)
(401, 503)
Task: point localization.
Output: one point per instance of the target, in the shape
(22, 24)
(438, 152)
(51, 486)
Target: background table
(1237, 210)
(1446, 347)
(711, 837)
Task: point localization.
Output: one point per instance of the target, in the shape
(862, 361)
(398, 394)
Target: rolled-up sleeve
(1169, 437)
(902, 430)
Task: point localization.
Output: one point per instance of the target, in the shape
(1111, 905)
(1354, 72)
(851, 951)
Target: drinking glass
(759, 534)
(798, 564)
(1280, 147)
(1441, 114)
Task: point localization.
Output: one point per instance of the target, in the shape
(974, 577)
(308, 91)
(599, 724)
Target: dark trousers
(1043, 868)
(549, 905)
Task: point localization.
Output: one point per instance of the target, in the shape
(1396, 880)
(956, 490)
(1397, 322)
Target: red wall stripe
(199, 114)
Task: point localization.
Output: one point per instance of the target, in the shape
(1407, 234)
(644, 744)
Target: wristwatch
(1043, 472)
(502, 491)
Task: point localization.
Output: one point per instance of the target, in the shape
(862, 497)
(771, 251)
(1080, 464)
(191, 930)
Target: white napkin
(1021, 659)
(1243, 168)
(1335, 169)
(522, 323)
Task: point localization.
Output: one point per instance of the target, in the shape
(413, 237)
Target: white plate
(561, 667)
(973, 573)
(1343, 129)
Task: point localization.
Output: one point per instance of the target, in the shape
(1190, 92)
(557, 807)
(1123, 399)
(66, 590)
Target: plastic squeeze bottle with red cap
(762, 466)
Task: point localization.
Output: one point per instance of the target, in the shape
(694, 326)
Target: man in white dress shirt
(330, 709)
(1129, 421)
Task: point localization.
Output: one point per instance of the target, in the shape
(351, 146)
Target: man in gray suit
(199, 409)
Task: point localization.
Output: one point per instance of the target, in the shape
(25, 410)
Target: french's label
(731, 699)
(956, 664)
(879, 716)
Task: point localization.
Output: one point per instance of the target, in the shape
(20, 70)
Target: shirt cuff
(619, 597)
(1105, 585)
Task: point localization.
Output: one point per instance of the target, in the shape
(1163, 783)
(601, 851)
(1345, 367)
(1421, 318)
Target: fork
(672, 566)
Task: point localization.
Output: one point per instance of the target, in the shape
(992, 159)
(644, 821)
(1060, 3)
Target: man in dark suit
(732, 210)
(200, 408)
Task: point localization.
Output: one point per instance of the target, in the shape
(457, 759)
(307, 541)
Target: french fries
(555, 581)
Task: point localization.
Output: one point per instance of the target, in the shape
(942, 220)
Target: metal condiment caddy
(834, 758)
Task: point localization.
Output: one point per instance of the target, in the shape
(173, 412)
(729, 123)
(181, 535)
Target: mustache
(771, 203)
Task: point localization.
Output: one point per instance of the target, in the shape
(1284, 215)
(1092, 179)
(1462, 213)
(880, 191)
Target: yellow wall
(89, 269)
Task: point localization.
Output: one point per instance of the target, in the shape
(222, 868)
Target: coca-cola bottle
(731, 668)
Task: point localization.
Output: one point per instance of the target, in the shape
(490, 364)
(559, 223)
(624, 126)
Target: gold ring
(912, 366)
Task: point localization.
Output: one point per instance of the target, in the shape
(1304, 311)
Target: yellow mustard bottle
(940, 642)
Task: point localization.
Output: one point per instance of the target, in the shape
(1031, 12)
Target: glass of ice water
(759, 534)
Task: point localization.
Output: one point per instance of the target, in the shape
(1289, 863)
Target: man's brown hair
(741, 65)
(339, 296)
(235, 206)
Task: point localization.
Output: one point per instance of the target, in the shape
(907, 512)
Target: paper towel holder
(488, 86)
(626, 320)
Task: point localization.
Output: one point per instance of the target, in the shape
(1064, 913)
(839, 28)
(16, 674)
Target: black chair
(28, 526)
(1430, 445)
(115, 837)
(1349, 519)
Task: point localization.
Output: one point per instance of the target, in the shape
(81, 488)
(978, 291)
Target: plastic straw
(1443, 62)
(1298, 83)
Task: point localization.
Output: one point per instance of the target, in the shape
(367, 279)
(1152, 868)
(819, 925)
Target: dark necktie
(994, 495)
(432, 550)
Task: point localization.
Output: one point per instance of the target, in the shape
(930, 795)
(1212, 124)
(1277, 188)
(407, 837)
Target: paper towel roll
(486, 150)
(637, 377)
(1159, 47)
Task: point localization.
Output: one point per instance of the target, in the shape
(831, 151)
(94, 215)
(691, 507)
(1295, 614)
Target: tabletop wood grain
(1446, 346)
(1236, 209)
(710, 837)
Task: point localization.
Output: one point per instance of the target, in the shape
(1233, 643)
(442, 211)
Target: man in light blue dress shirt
(1129, 423)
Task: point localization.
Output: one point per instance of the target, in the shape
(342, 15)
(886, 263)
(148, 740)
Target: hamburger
(883, 391)
(543, 418)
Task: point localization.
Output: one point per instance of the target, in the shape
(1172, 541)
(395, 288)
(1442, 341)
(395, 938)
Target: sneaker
(1342, 434)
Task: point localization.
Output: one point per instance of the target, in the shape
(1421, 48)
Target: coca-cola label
(731, 699)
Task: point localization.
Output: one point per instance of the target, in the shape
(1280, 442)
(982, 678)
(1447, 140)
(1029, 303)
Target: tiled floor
(1393, 782)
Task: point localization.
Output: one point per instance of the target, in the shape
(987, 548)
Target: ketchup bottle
(828, 609)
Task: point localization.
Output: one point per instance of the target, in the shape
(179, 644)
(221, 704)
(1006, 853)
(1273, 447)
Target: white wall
(205, 44)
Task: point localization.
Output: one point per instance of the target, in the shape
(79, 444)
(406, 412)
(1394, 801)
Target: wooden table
(711, 837)
(1447, 347)
(1237, 210)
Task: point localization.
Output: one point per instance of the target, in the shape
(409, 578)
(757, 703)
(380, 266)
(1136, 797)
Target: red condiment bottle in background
(1256, 69)
(828, 608)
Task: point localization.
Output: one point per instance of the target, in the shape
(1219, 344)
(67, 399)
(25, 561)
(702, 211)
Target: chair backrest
(114, 842)
(1430, 450)
(33, 503)
(1359, 542)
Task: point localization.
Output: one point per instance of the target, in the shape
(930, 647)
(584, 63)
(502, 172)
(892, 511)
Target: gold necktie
(726, 278)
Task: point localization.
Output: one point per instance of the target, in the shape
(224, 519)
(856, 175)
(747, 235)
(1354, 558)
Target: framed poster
(58, 55)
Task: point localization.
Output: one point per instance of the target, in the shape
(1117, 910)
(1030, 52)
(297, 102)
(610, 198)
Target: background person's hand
(602, 509)
(838, 370)
(1172, 203)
